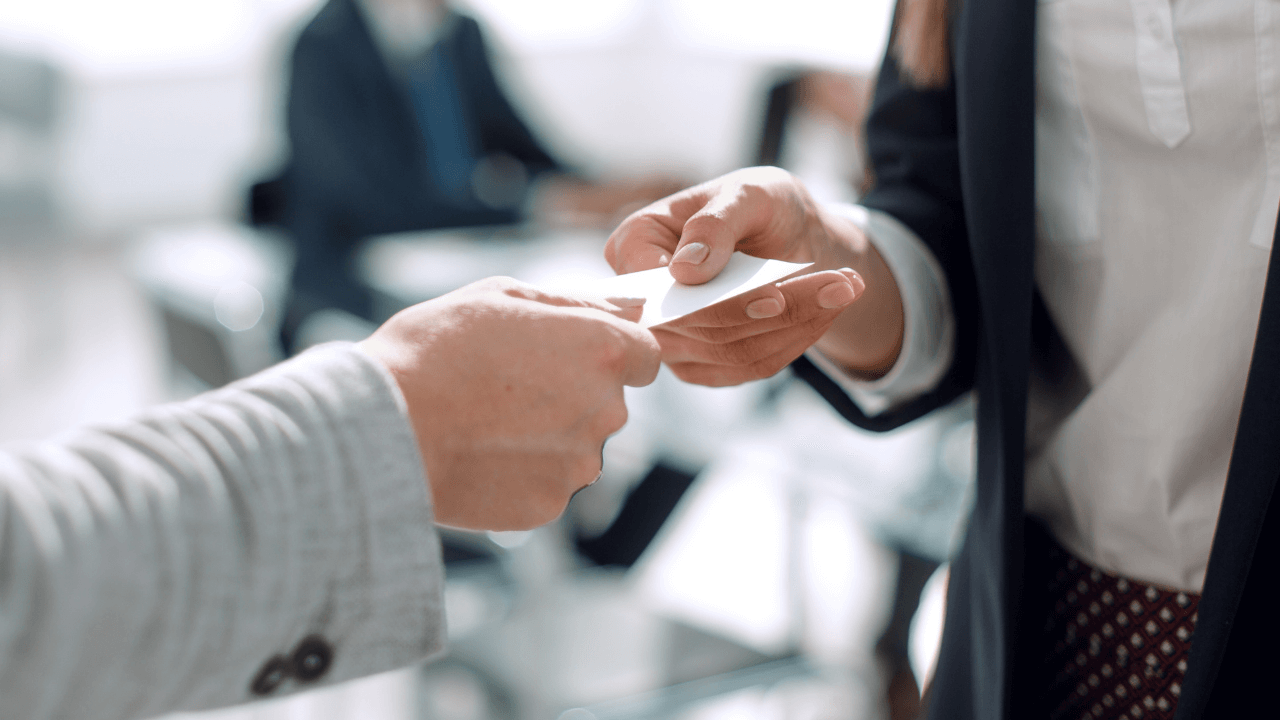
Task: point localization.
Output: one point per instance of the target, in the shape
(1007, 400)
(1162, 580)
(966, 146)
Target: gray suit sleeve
(157, 565)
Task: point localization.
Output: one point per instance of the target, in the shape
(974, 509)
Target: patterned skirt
(1117, 648)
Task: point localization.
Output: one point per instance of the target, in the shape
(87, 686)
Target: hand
(765, 212)
(512, 392)
(757, 334)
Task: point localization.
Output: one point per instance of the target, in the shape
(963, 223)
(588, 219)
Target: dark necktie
(433, 87)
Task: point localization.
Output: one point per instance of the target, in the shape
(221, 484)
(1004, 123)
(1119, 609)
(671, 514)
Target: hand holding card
(763, 212)
(757, 333)
(745, 323)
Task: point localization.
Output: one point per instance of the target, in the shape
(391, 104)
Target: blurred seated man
(397, 123)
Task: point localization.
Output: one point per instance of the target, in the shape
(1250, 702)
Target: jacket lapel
(1233, 652)
(995, 97)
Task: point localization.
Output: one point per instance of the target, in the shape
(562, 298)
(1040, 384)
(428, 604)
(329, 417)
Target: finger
(649, 238)
(797, 338)
(712, 233)
(641, 357)
(728, 375)
(628, 308)
(732, 315)
(619, 306)
(611, 417)
(645, 240)
(772, 307)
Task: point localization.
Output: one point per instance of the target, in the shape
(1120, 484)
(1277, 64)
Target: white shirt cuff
(928, 342)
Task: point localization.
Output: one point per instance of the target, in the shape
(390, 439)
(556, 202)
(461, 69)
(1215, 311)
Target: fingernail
(835, 295)
(626, 302)
(693, 253)
(663, 260)
(763, 308)
(854, 279)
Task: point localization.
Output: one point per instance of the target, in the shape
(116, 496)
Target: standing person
(1074, 213)
(276, 535)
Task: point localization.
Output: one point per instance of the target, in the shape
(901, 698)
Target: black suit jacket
(957, 166)
(359, 162)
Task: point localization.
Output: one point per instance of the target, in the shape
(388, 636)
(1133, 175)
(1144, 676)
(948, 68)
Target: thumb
(710, 236)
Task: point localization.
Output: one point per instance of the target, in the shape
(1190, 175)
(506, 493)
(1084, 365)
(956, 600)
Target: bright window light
(550, 23)
(130, 35)
(834, 33)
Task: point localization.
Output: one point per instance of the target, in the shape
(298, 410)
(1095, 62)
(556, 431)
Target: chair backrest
(778, 104)
(219, 291)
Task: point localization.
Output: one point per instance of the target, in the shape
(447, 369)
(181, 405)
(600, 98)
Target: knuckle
(617, 246)
(776, 174)
(652, 365)
(796, 313)
(753, 191)
(742, 352)
(545, 511)
(503, 285)
(612, 250)
(498, 282)
(705, 333)
(704, 224)
(724, 316)
(611, 356)
(671, 345)
(698, 334)
(583, 471)
(637, 242)
(613, 418)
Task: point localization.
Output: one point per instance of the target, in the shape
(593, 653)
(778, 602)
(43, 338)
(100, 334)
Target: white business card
(667, 300)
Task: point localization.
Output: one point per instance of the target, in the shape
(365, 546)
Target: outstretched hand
(512, 392)
(768, 213)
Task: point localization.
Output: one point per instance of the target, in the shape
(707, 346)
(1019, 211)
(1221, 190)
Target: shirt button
(271, 676)
(312, 658)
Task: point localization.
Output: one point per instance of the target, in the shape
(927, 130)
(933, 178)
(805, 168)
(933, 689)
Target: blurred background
(191, 191)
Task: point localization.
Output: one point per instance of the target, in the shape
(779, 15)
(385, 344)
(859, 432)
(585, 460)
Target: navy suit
(361, 162)
(957, 166)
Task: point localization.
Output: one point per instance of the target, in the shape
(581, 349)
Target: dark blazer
(957, 166)
(359, 162)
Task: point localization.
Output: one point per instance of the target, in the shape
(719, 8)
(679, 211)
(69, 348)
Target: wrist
(403, 371)
(841, 244)
(867, 338)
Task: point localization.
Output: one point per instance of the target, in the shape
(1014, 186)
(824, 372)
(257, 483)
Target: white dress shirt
(1158, 183)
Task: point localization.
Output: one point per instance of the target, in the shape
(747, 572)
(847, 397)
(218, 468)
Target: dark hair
(921, 42)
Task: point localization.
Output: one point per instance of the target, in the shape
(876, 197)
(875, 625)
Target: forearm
(866, 338)
(156, 565)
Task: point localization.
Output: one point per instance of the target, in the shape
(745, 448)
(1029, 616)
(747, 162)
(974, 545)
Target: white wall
(639, 85)
(171, 106)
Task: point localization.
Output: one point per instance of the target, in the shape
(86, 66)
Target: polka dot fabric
(1118, 647)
